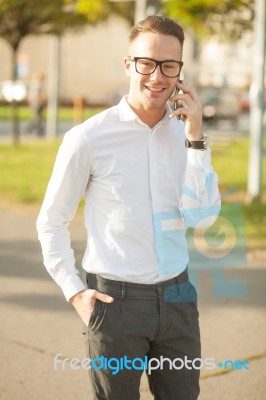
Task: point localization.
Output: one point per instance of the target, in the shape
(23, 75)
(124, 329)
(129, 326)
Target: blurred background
(61, 61)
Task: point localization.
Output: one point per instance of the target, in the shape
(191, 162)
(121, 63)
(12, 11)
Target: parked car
(244, 101)
(219, 104)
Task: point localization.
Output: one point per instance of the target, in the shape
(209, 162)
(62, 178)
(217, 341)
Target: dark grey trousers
(145, 322)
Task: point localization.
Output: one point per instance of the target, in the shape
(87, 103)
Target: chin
(156, 103)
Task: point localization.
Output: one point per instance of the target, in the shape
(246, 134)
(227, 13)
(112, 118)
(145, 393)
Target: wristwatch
(202, 144)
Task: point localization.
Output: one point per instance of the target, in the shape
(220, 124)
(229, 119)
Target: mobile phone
(178, 104)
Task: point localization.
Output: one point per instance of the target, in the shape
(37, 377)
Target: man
(37, 101)
(146, 175)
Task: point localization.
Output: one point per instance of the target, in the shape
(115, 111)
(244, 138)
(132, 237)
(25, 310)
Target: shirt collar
(127, 114)
(125, 111)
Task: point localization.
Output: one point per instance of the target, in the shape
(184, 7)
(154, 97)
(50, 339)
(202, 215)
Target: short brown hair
(157, 24)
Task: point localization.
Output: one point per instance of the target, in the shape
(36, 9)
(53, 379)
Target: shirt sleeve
(67, 185)
(200, 199)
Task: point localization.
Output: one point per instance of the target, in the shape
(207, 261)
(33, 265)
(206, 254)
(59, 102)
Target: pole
(14, 103)
(140, 10)
(53, 88)
(257, 104)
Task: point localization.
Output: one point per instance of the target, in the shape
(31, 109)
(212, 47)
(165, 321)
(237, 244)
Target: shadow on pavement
(38, 302)
(23, 259)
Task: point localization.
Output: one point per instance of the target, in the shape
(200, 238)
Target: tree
(20, 18)
(122, 8)
(226, 18)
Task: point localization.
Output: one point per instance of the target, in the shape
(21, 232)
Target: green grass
(25, 171)
(255, 224)
(64, 113)
(230, 161)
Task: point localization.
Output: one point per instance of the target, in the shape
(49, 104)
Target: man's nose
(157, 74)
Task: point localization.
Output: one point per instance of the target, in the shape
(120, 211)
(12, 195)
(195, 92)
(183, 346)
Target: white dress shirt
(142, 189)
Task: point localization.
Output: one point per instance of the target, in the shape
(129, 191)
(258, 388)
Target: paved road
(37, 323)
(219, 129)
(5, 128)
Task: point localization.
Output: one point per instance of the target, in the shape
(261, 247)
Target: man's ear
(127, 65)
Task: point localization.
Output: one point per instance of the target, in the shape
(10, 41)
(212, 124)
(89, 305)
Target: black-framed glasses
(146, 66)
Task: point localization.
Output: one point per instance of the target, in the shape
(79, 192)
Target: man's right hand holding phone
(190, 111)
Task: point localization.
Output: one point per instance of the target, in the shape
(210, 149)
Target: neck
(149, 116)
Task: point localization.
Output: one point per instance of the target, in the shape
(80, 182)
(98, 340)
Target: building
(92, 62)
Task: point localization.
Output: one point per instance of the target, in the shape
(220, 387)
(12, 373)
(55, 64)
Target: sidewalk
(37, 323)
(5, 129)
(220, 130)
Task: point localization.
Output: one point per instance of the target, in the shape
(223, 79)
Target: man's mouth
(154, 89)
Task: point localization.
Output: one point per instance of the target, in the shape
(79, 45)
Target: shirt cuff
(200, 159)
(72, 287)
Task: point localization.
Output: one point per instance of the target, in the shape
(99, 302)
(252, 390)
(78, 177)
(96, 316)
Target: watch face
(187, 143)
(198, 144)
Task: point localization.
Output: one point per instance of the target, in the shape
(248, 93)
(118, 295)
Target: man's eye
(146, 64)
(169, 66)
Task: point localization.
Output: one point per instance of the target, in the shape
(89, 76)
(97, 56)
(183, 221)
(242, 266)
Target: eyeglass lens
(168, 68)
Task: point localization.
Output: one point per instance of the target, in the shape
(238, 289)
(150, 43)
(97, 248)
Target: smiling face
(148, 93)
